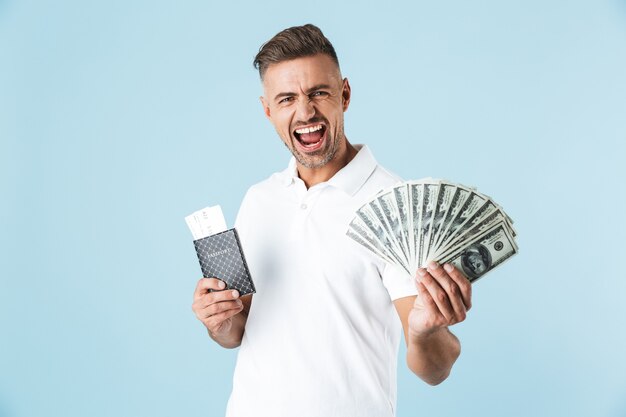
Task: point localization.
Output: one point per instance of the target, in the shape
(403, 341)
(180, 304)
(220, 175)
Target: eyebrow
(309, 91)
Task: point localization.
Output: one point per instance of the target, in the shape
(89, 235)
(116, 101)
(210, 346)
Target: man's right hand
(216, 307)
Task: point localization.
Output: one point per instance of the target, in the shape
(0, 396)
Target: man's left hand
(445, 296)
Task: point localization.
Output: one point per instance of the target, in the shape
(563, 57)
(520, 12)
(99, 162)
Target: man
(322, 332)
(476, 260)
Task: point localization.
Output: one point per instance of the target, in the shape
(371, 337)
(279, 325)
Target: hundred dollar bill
(358, 232)
(444, 200)
(416, 193)
(484, 211)
(489, 210)
(509, 221)
(458, 200)
(428, 207)
(387, 203)
(384, 218)
(472, 204)
(371, 220)
(484, 223)
(483, 253)
(402, 204)
(413, 222)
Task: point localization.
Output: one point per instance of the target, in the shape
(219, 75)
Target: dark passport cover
(221, 256)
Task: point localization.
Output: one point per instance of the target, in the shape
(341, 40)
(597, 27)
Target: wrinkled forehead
(301, 74)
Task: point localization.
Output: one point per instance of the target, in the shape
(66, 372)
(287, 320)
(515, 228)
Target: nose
(305, 109)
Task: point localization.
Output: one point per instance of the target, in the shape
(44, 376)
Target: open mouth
(310, 138)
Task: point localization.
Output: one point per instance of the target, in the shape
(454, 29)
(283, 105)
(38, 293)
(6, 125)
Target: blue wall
(119, 118)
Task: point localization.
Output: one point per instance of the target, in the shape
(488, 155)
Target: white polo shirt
(322, 335)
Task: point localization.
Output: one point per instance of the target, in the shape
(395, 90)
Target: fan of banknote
(415, 222)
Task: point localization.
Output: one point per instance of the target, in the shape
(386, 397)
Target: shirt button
(303, 206)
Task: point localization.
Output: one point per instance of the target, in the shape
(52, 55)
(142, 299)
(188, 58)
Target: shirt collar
(349, 178)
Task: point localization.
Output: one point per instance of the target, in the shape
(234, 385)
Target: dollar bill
(458, 200)
(387, 202)
(444, 200)
(360, 233)
(401, 193)
(472, 204)
(385, 212)
(416, 196)
(486, 222)
(483, 212)
(371, 214)
(483, 253)
(413, 222)
(428, 208)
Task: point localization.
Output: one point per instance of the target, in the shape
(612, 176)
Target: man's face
(305, 98)
(477, 263)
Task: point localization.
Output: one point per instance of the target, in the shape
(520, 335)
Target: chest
(300, 244)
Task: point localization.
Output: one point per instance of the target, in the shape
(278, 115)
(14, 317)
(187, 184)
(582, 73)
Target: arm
(222, 312)
(444, 298)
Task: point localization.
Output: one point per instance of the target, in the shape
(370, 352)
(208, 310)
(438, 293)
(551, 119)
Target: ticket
(206, 222)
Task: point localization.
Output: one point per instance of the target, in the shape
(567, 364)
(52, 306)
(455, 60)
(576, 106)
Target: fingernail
(235, 293)
(448, 267)
(432, 265)
(222, 284)
(421, 271)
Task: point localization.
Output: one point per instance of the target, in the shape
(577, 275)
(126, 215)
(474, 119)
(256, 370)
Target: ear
(346, 93)
(266, 107)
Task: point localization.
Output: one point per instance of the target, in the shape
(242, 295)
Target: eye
(285, 100)
(319, 94)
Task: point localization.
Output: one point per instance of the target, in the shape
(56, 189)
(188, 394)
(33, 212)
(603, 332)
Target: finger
(217, 308)
(452, 290)
(425, 299)
(206, 285)
(438, 294)
(464, 284)
(217, 297)
(217, 319)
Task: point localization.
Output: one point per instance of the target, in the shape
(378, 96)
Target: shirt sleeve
(398, 282)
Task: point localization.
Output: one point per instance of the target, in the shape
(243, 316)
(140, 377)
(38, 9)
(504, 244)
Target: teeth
(308, 129)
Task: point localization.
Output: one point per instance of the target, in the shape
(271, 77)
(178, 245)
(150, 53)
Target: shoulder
(268, 186)
(379, 179)
(383, 175)
(263, 191)
(380, 175)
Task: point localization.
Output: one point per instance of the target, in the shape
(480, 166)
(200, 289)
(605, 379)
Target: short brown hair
(294, 42)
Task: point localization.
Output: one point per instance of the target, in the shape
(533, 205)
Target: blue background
(119, 118)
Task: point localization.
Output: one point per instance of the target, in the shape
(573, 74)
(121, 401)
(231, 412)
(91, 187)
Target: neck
(313, 176)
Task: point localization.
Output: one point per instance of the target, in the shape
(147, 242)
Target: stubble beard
(327, 153)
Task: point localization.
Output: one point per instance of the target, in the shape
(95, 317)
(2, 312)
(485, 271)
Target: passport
(219, 251)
